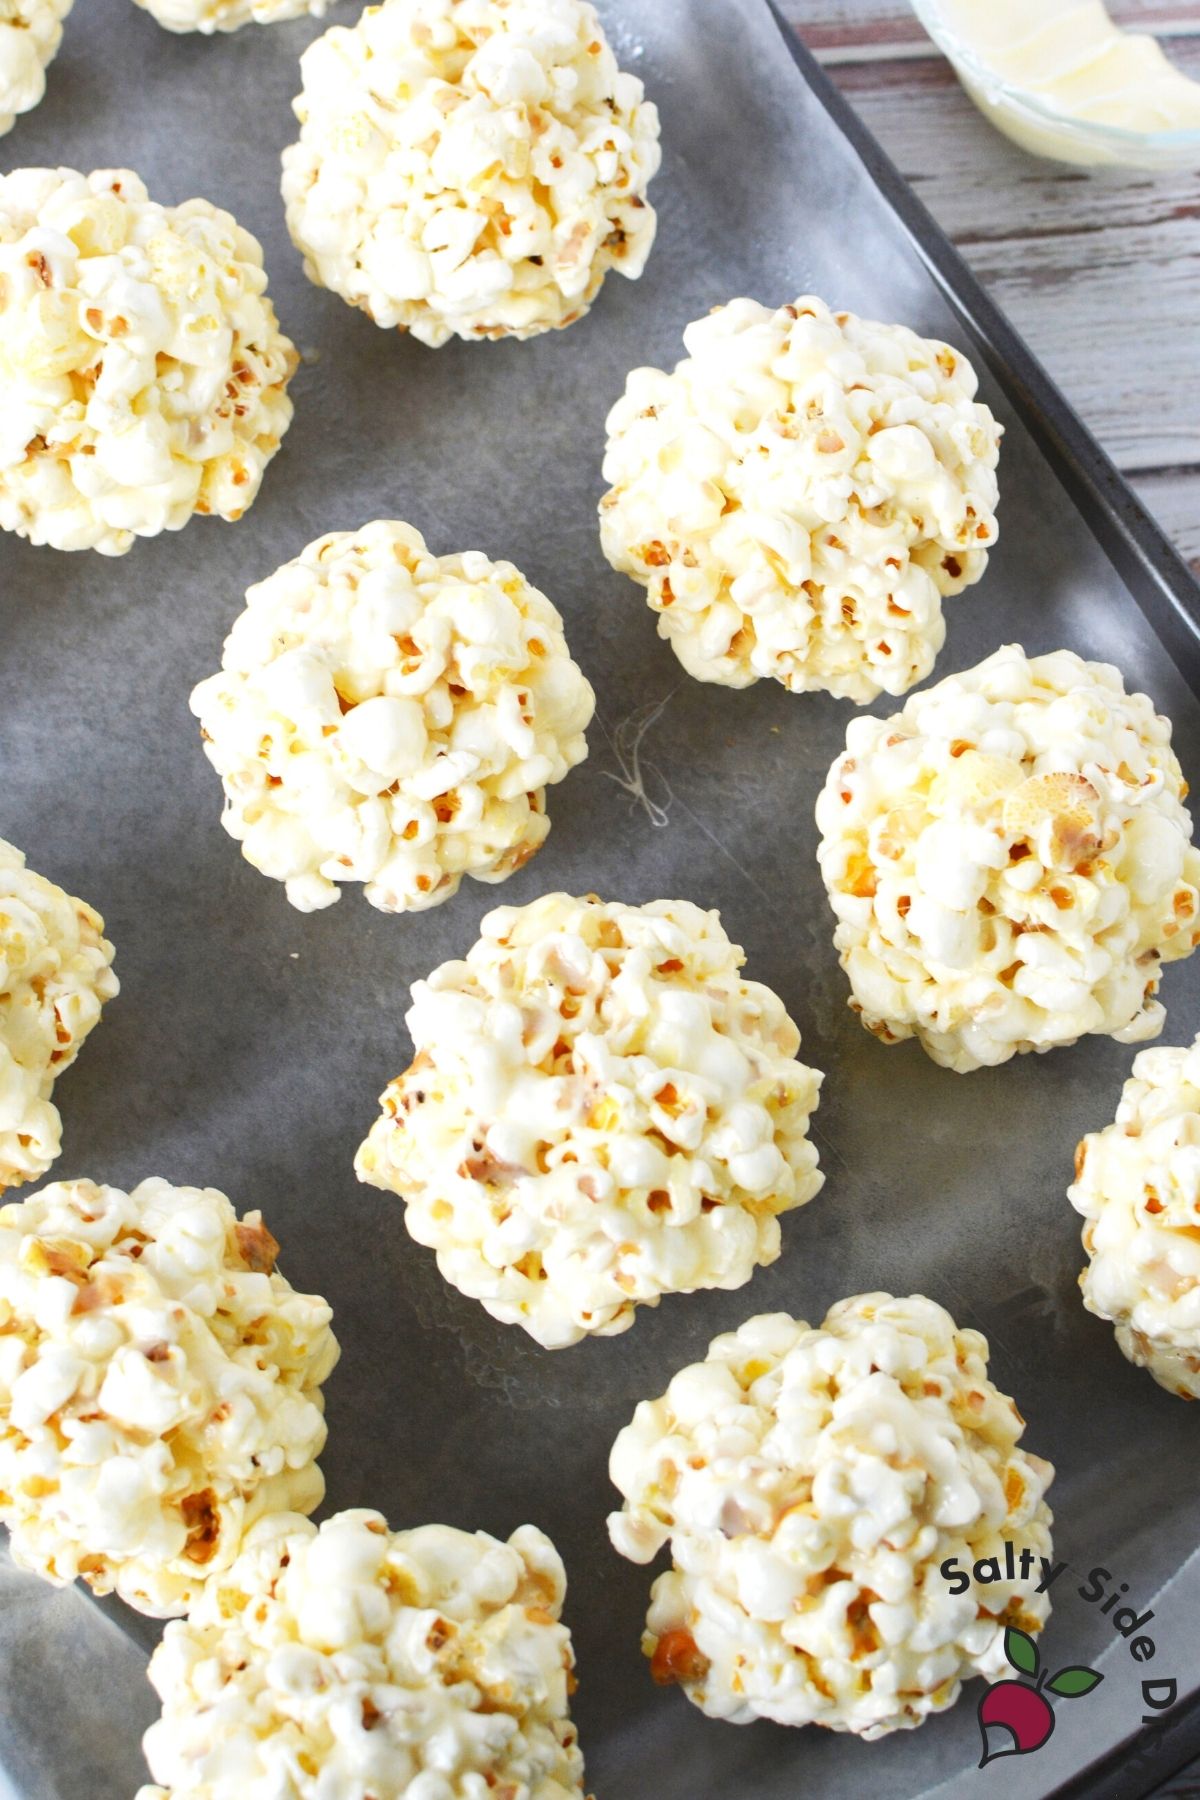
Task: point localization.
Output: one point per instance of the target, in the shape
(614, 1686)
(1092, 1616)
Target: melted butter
(1071, 56)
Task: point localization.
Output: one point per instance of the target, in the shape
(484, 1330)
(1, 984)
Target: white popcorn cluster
(600, 1111)
(30, 34)
(1009, 860)
(159, 1387)
(355, 1663)
(55, 975)
(143, 376)
(207, 16)
(799, 494)
(470, 167)
(388, 716)
(810, 1482)
(1137, 1184)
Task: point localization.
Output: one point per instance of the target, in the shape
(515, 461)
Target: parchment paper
(249, 1043)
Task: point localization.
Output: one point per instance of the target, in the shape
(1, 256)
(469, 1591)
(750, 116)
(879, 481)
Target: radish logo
(1015, 1718)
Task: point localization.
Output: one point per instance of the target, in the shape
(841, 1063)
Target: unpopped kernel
(600, 1111)
(207, 16)
(1137, 1184)
(356, 1663)
(809, 1482)
(1010, 861)
(30, 34)
(389, 716)
(55, 975)
(799, 493)
(470, 168)
(160, 1387)
(143, 376)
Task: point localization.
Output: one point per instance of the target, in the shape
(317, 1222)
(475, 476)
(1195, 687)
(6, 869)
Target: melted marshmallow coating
(159, 1387)
(55, 975)
(600, 1111)
(355, 1663)
(799, 493)
(207, 16)
(392, 717)
(30, 33)
(470, 168)
(809, 1482)
(143, 376)
(1137, 1184)
(1010, 861)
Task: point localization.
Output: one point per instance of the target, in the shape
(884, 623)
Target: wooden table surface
(1099, 270)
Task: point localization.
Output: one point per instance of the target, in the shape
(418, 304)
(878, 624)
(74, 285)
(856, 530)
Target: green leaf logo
(1073, 1682)
(1021, 1652)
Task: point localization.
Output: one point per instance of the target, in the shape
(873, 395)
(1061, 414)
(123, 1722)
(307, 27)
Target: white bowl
(1038, 126)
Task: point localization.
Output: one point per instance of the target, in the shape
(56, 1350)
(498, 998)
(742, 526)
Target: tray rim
(1158, 579)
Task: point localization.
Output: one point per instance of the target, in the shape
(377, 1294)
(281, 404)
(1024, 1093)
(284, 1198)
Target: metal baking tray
(249, 1042)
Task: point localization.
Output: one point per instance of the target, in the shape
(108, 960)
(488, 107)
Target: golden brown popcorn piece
(258, 1248)
(676, 1658)
(1058, 813)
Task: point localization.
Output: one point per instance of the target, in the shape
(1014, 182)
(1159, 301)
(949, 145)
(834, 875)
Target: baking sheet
(249, 1042)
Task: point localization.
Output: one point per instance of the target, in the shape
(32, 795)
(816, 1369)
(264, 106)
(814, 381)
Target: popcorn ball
(160, 1387)
(600, 1111)
(392, 717)
(30, 34)
(809, 1482)
(143, 376)
(799, 493)
(356, 1663)
(1009, 860)
(55, 975)
(207, 16)
(1137, 1184)
(470, 168)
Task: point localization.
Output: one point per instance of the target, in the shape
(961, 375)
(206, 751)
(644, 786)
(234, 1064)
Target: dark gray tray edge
(1161, 583)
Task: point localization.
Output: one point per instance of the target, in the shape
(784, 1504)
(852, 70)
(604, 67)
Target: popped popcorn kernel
(1137, 1184)
(470, 168)
(160, 1387)
(810, 1481)
(30, 34)
(143, 376)
(354, 1661)
(600, 1111)
(799, 493)
(389, 716)
(208, 16)
(1010, 861)
(55, 975)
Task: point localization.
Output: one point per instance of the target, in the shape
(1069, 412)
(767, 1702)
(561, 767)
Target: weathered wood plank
(980, 186)
(848, 29)
(1142, 15)
(1173, 496)
(893, 67)
(1121, 338)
